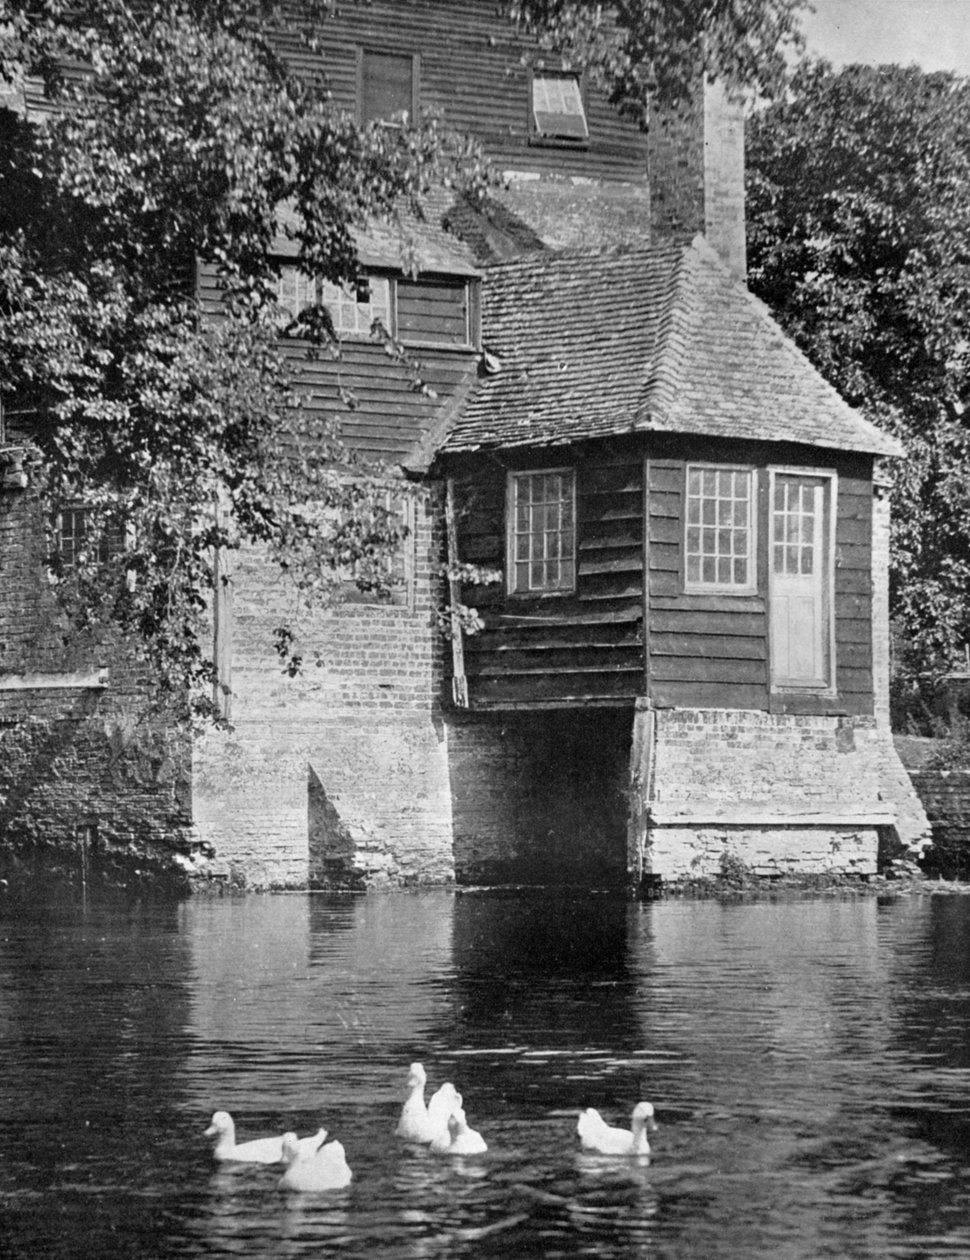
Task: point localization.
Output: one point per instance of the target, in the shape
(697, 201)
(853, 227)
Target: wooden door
(800, 566)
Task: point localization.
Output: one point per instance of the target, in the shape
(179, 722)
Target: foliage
(178, 138)
(644, 49)
(177, 129)
(859, 241)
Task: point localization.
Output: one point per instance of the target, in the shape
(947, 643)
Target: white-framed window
(719, 538)
(557, 112)
(295, 291)
(542, 531)
(352, 310)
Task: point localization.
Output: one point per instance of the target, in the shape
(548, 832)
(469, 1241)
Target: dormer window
(354, 310)
(557, 114)
(387, 86)
(427, 311)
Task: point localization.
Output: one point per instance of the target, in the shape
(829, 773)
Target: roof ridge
(671, 344)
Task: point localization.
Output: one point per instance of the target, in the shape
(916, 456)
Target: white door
(799, 591)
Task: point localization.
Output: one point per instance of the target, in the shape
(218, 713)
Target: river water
(809, 1062)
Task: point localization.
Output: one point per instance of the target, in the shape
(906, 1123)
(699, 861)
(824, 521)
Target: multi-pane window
(81, 540)
(352, 310)
(295, 290)
(719, 543)
(542, 531)
(795, 532)
(557, 108)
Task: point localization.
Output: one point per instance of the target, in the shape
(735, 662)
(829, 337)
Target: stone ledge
(90, 680)
(674, 814)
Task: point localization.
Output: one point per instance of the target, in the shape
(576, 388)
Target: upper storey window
(354, 310)
(558, 114)
(388, 86)
(422, 312)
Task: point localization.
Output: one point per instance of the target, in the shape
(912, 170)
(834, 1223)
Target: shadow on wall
(541, 798)
(331, 846)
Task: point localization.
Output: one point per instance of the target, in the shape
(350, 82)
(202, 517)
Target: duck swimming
(458, 1138)
(420, 1122)
(596, 1135)
(324, 1169)
(268, 1150)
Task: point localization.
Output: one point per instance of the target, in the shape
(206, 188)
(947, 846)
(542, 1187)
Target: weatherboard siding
(699, 650)
(475, 74)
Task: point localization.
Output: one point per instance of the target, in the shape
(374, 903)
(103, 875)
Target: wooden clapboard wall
(584, 647)
(705, 651)
(373, 398)
(474, 70)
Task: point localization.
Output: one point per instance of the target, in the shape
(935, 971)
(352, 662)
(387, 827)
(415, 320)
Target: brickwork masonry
(337, 777)
(775, 793)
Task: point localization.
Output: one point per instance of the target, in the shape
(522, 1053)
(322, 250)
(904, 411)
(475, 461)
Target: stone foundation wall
(946, 797)
(771, 792)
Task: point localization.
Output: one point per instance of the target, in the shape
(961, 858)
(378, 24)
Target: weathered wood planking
(473, 73)
(709, 649)
(584, 646)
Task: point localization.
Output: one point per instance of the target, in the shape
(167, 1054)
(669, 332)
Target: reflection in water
(808, 1061)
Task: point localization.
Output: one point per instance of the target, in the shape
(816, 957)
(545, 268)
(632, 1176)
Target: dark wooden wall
(703, 650)
(380, 412)
(586, 646)
(474, 69)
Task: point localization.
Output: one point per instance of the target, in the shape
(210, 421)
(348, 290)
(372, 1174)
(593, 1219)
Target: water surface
(809, 1061)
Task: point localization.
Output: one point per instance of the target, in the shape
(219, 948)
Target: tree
(176, 130)
(859, 241)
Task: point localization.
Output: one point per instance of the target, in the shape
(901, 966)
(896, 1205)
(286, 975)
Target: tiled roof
(595, 344)
(416, 241)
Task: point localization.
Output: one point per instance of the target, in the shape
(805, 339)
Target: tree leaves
(859, 240)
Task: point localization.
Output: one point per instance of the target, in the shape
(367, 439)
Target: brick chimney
(695, 164)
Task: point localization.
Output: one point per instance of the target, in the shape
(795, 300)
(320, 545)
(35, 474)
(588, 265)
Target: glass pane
(693, 539)
(709, 569)
(808, 559)
(693, 569)
(522, 577)
(694, 482)
(779, 559)
(740, 572)
(724, 570)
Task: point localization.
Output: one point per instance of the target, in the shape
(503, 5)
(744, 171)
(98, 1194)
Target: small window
(382, 573)
(719, 544)
(82, 540)
(387, 87)
(557, 112)
(542, 532)
(354, 310)
(295, 291)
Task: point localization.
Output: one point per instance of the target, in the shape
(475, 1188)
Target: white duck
(596, 1135)
(324, 1169)
(421, 1123)
(268, 1150)
(458, 1138)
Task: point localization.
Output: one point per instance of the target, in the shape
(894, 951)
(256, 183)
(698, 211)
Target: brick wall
(89, 769)
(774, 792)
(696, 174)
(540, 797)
(337, 777)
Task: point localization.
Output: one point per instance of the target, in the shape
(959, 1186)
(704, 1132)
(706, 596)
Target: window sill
(557, 142)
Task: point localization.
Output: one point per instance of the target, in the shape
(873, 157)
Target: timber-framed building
(684, 653)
